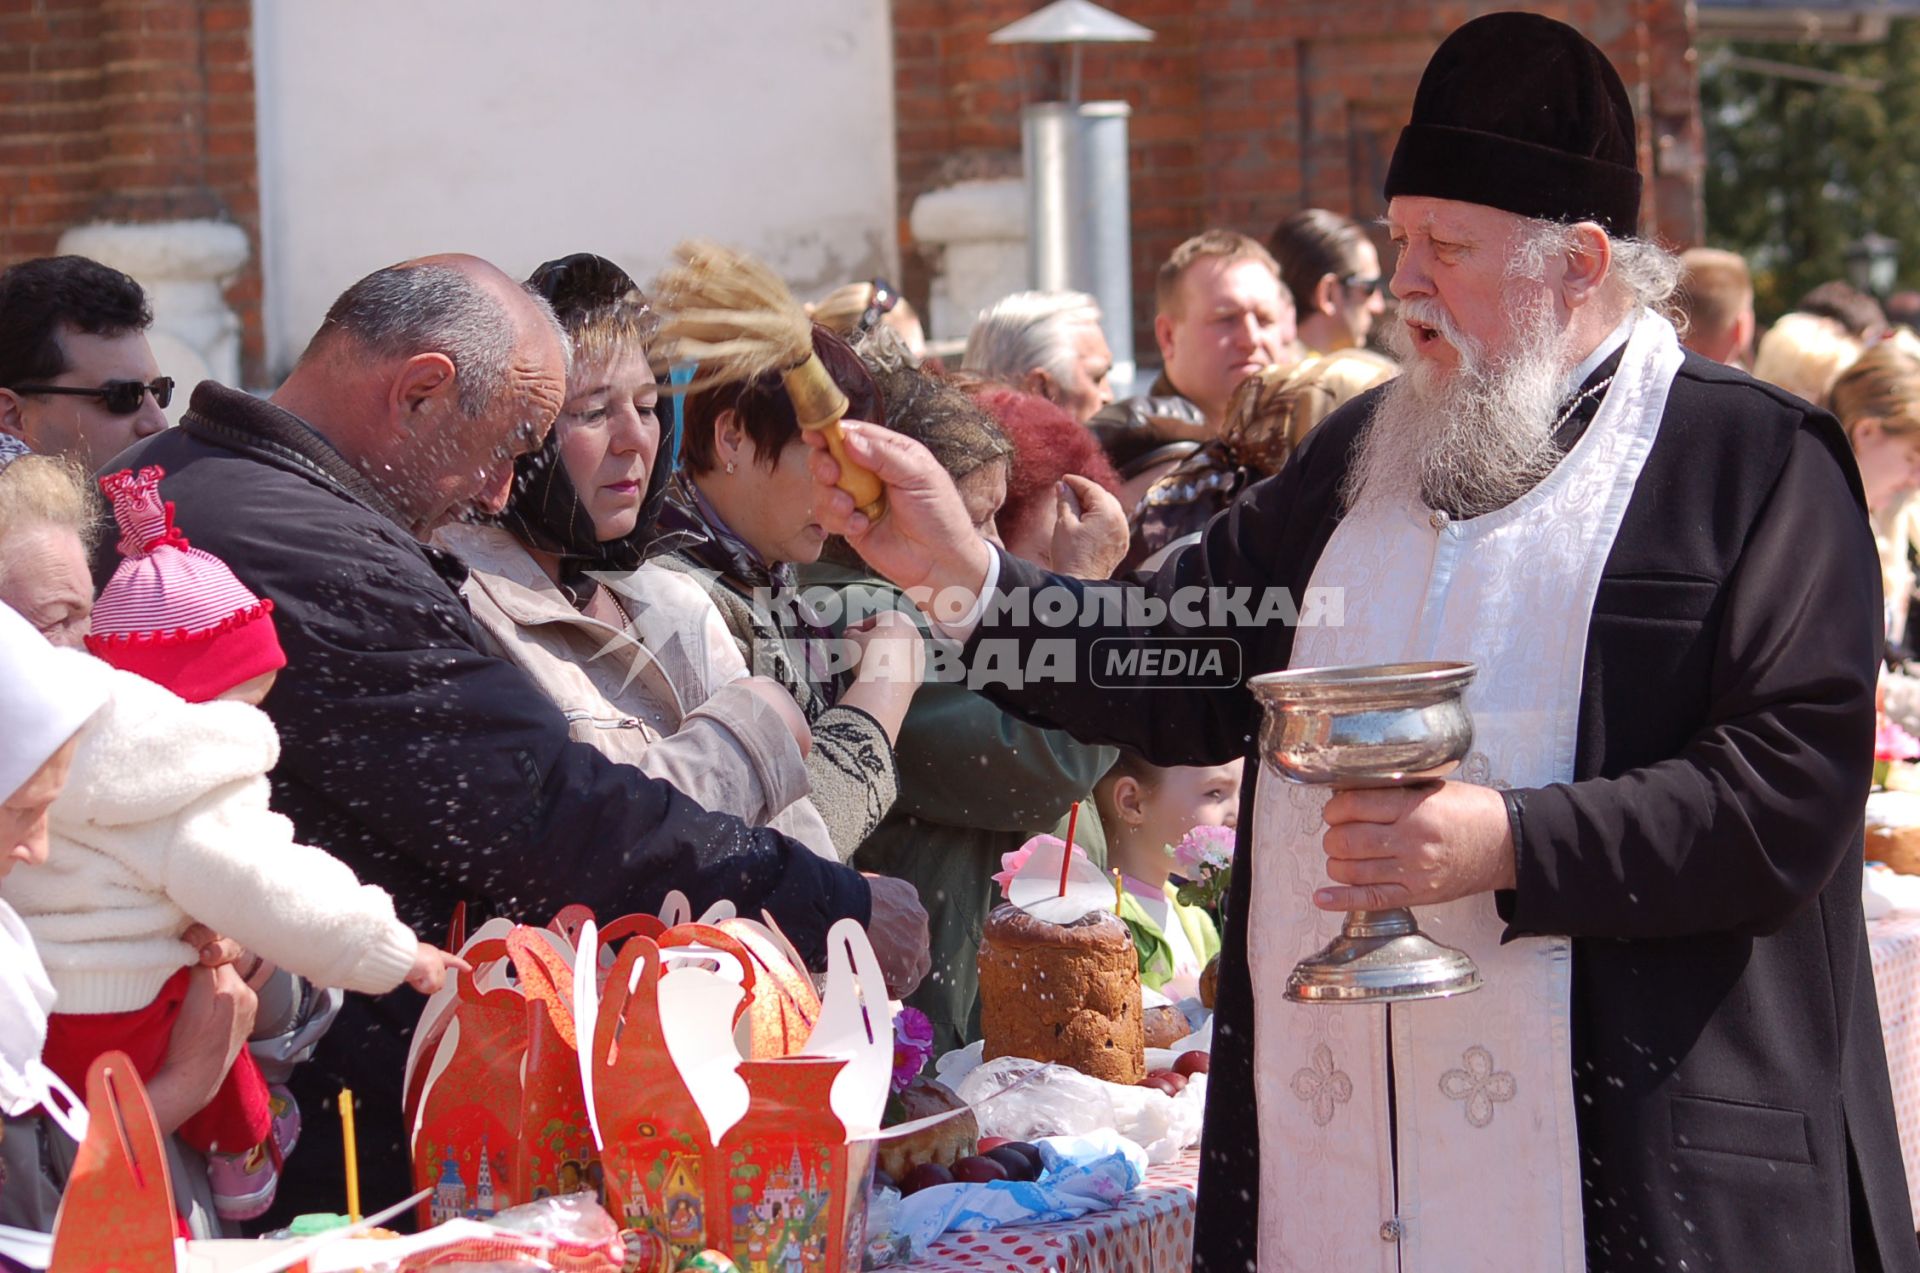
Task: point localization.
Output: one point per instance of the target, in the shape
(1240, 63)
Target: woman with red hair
(1057, 465)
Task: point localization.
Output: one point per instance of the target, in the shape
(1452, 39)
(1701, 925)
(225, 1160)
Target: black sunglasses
(882, 303)
(119, 397)
(1363, 283)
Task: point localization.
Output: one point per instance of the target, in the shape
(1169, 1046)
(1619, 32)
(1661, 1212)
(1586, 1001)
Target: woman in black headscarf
(640, 661)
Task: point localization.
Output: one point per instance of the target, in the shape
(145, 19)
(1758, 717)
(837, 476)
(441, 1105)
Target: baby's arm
(232, 863)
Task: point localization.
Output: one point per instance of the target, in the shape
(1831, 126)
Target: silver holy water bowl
(1383, 725)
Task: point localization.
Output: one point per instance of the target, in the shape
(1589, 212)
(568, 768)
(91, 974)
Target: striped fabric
(172, 613)
(163, 584)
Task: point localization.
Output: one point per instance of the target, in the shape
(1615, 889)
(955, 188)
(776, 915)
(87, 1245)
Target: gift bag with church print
(788, 1171)
(662, 1046)
(555, 1149)
(469, 1106)
(500, 1117)
(794, 1168)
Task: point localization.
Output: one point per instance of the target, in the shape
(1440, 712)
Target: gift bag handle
(483, 954)
(544, 976)
(569, 920)
(619, 992)
(117, 1211)
(636, 925)
(681, 936)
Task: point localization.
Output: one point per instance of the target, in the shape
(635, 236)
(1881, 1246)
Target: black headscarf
(544, 511)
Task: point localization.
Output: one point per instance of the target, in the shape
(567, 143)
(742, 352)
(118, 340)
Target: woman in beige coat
(647, 675)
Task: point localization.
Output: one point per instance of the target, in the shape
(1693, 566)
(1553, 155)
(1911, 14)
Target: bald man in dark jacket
(436, 770)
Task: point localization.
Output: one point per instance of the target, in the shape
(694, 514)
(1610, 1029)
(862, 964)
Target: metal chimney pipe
(1080, 213)
(1075, 153)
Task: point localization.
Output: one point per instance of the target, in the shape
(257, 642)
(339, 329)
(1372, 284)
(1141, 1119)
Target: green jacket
(1156, 956)
(975, 783)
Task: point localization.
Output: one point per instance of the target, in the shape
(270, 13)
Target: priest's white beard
(1476, 440)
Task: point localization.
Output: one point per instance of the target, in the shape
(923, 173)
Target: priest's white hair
(1477, 439)
(1641, 271)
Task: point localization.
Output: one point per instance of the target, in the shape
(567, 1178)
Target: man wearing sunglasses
(1333, 270)
(77, 378)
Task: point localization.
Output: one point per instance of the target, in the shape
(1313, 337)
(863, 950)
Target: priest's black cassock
(1731, 1086)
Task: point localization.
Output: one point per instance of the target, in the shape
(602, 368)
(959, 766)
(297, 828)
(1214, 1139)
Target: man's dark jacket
(435, 770)
(1729, 1073)
(1127, 433)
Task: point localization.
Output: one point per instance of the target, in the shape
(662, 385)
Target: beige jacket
(664, 697)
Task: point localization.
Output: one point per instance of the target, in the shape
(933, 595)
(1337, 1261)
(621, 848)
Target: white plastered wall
(521, 130)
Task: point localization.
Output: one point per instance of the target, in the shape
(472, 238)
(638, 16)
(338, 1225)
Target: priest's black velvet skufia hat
(1522, 113)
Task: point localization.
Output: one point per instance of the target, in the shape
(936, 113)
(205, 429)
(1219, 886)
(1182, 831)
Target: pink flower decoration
(1010, 863)
(912, 1046)
(1205, 847)
(1890, 742)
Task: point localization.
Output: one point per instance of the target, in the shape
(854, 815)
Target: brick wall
(1245, 110)
(129, 110)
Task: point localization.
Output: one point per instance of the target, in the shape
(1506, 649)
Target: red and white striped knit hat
(172, 613)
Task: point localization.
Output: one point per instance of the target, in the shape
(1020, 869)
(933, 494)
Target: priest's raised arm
(1082, 655)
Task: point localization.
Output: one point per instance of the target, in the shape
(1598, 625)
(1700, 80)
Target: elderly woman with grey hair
(49, 520)
(1045, 343)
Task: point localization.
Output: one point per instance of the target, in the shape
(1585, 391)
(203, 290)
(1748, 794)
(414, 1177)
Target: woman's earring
(729, 466)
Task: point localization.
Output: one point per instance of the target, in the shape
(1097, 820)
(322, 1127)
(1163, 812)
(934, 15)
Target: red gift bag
(501, 1113)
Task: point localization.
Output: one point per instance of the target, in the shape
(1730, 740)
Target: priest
(1664, 572)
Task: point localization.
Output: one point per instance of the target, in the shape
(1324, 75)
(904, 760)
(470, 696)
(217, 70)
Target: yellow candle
(1116, 892)
(353, 1154)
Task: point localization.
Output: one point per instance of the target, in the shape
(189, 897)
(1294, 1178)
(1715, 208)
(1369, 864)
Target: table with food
(1085, 1095)
(664, 1093)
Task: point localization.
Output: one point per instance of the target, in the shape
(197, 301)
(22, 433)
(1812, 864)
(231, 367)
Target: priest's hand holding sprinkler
(735, 319)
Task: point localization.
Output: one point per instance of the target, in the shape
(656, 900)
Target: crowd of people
(521, 644)
(474, 610)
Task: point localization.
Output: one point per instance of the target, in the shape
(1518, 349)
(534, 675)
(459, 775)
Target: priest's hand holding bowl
(1415, 846)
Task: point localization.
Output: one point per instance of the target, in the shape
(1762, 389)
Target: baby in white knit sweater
(165, 821)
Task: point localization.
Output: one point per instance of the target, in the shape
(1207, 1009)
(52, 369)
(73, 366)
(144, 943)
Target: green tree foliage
(1797, 171)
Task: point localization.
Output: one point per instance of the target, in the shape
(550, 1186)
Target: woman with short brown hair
(741, 517)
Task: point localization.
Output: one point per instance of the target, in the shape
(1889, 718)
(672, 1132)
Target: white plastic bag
(1025, 1100)
(951, 1067)
(1160, 1124)
(886, 1245)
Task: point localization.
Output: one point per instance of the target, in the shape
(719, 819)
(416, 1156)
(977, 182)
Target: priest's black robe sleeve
(1752, 817)
(1223, 591)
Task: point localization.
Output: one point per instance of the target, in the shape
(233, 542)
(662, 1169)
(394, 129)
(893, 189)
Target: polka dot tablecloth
(1151, 1232)
(1895, 943)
